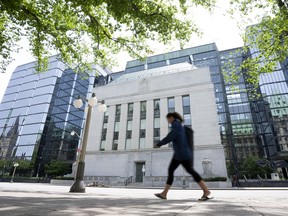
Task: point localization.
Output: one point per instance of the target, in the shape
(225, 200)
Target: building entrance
(140, 170)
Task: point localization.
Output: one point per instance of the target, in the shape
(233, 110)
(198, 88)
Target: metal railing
(128, 180)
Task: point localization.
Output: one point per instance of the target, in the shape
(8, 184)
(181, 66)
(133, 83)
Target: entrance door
(139, 173)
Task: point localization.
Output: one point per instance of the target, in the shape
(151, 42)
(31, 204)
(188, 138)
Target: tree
(91, 31)
(57, 168)
(266, 41)
(3, 165)
(250, 168)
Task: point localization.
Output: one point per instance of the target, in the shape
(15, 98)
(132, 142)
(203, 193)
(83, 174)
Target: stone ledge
(61, 182)
(216, 184)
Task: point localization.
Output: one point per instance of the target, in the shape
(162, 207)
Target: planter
(62, 182)
(25, 180)
(212, 184)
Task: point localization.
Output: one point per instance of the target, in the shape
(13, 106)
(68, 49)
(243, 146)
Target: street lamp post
(75, 164)
(15, 166)
(79, 186)
(143, 172)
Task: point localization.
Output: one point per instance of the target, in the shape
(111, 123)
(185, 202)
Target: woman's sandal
(204, 198)
(159, 196)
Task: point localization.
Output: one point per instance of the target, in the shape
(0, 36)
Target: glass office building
(37, 115)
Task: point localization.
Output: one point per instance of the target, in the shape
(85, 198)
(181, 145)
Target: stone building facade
(120, 143)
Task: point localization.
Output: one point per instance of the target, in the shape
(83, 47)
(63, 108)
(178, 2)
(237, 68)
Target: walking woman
(182, 155)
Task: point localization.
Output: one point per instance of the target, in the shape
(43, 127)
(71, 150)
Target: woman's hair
(175, 115)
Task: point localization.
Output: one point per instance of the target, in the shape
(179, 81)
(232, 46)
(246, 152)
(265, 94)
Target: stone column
(163, 120)
(149, 124)
(179, 105)
(95, 125)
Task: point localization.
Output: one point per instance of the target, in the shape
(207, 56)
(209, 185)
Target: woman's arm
(171, 136)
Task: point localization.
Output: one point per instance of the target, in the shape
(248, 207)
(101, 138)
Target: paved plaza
(49, 200)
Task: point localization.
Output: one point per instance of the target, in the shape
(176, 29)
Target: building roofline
(168, 55)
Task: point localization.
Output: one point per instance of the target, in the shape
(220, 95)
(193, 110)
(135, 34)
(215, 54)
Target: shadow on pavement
(101, 204)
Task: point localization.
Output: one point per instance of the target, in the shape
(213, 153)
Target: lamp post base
(78, 187)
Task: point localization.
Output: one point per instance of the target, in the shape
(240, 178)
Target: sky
(215, 27)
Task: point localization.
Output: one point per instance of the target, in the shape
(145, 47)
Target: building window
(129, 126)
(128, 144)
(115, 145)
(116, 131)
(104, 132)
(142, 128)
(142, 143)
(156, 134)
(116, 135)
(157, 108)
(171, 105)
(105, 119)
(143, 110)
(156, 130)
(186, 110)
(118, 113)
(102, 146)
(142, 131)
(130, 111)
(129, 130)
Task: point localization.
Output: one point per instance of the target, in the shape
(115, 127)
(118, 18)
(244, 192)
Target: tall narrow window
(129, 126)
(104, 132)
(171, 109)
(157, 108)
(142, 135)
(130, 111)
(118, 113)
(116, 127)
(143, 110)
(186, 110)
(171, 104)
(156, 134)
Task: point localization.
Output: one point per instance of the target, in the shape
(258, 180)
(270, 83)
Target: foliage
(23, 164)
(4, 163)
(216, 178)
(90, 31)
(230, 169)
(23, 177)
(252, 169)
(63, 178)
(266, 42)
(57, 168)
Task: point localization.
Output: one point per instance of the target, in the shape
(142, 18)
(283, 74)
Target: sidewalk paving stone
(24, 199)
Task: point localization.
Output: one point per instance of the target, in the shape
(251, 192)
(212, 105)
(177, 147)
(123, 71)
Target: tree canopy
(90, 31)
(250, 168)
(57, 168)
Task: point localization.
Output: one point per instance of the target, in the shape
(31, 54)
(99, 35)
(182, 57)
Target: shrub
(216, 178)
(57, 168)
(63, 178)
